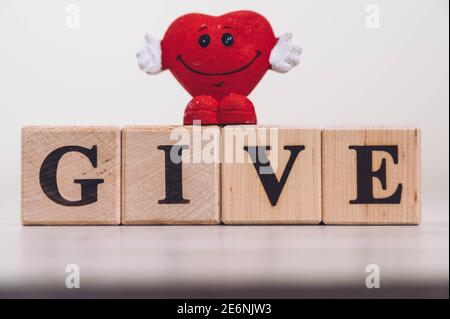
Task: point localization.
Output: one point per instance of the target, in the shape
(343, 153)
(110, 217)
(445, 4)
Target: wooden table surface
(226, 261)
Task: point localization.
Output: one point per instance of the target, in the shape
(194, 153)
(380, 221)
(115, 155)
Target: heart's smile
(180, 58)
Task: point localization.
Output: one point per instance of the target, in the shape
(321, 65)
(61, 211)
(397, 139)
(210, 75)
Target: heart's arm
(285, 55)
(150, 56)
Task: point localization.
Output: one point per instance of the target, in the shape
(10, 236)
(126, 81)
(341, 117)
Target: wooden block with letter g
(70, 176)
(271, 175)
(371, 175)
(171, 175)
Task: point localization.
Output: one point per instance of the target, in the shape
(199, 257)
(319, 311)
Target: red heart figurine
(219, 60)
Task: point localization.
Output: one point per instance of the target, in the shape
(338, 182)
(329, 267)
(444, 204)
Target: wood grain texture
(143, 173)
(244, 199)
(38, 143)
(340, 175)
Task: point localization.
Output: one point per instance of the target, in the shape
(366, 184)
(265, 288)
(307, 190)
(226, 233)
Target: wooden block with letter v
(271, 175)
(371, 175)
(70, 176)
(171, 175)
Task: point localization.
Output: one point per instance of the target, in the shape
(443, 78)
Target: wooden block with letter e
(271, 175)
(171, 175)
(70, 175)
(371, 175)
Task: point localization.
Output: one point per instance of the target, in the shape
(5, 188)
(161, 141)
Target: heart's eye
(227, 39)
(204, 40)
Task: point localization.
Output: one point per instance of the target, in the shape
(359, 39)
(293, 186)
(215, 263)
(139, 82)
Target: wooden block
(70, 176)
(162, 189)
(371, 175)
(280, 185)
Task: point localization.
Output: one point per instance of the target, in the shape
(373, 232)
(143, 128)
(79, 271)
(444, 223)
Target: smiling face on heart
(221, 55)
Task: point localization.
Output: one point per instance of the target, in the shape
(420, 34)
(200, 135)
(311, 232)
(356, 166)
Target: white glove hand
(285, 55)
(149, 57)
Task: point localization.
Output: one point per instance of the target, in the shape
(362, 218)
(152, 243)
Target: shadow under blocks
(208, 175)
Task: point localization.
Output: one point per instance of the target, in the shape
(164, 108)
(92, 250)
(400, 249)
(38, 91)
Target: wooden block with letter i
(271, 175)
(70, 176)
(171, 175)
(371, 175)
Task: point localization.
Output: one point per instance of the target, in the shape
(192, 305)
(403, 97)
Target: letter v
(271, 185)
